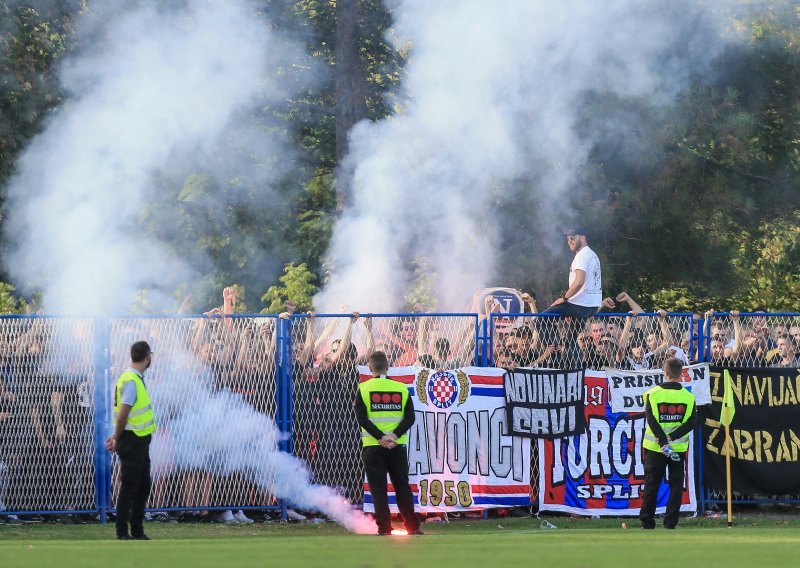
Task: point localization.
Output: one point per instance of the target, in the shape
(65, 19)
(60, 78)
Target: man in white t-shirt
(582, 299)
(585, 293)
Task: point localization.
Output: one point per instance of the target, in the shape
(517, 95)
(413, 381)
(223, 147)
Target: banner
(601, 472)
(765, 432)
(544, 403)
(504, 301)
(460, 453)
(628, 387)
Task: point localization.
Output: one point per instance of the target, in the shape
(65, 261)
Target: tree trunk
(351, 88)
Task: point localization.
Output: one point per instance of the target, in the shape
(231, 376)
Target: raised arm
(370, 336)
(465, 343)
(625, 335)
(269, 334)
(530, 300)
(634, 306)
(199, 329)
(308, 345)
(736, 350)
(344, 344)
(666, 333)
(421, 325)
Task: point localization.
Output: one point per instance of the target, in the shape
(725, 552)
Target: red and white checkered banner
(460, 453)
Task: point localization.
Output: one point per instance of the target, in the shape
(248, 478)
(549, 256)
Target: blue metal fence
(487, 336)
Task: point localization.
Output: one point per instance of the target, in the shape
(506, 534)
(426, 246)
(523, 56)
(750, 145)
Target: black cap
(573, 230)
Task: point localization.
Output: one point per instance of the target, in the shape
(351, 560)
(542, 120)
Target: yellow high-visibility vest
(142, 419)
(385, 400)
(672, 408)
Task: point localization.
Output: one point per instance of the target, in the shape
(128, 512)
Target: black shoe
(648, 528)
(123, 537)
(140, 537)
(416, 532)
(207, 518)
(190, 518)
(669, 528)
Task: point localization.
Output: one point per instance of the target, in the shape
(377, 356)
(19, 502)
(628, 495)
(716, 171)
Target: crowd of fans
(48, 369)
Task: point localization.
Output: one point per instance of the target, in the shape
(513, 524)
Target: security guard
(669, 410)
(385, 412)
(134, 426)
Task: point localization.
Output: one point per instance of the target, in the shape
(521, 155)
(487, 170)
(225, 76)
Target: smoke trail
(492, 97)
(220, 433)
(156, 91)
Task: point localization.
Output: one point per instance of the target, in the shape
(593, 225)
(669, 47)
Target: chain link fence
(752, 340)
(214, 379)
(220, 381)
(621, 341)
(47, 381)
(326, 353)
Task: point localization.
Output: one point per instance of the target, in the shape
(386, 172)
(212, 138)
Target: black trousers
(571, 356)
(134, 457)
(379, 461)
(655, 466)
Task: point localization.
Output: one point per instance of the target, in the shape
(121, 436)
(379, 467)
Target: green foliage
(695, 207)
(315, 220)
(768, 263)
(296, 284)
(31, 41)
(10, 302)
(420, 294)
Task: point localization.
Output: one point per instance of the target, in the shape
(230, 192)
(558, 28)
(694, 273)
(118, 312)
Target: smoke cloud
(220, 433)
(155, 92)
(491, 107)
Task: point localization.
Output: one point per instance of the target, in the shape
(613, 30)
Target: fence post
(701, 352)
(282, 392)
(488, 341)
(102, 418)
(288, 365)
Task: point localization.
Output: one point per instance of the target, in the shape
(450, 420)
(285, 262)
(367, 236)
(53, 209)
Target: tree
(297, 285)
(768, 263)
(31, 41)
(10, 303)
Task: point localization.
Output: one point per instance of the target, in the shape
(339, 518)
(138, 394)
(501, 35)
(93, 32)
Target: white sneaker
(148, 517)
(294, 515)
(226, 517)
(241, 517)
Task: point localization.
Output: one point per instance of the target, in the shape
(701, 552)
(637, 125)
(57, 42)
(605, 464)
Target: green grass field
(756, 540)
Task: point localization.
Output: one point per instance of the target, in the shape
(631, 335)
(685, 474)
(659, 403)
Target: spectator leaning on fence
(787, 353)
(133, 429)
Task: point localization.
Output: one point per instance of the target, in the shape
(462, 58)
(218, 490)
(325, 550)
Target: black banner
(765, 432)
(544, 404)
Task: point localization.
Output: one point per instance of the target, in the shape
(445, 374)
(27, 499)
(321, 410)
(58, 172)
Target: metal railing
(293, 379)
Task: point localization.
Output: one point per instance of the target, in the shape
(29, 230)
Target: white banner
(460, 454)
(626, 388)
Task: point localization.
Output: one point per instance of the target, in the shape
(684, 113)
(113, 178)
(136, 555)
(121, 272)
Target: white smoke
(152, 89)
(220, 433)
(492, 95)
